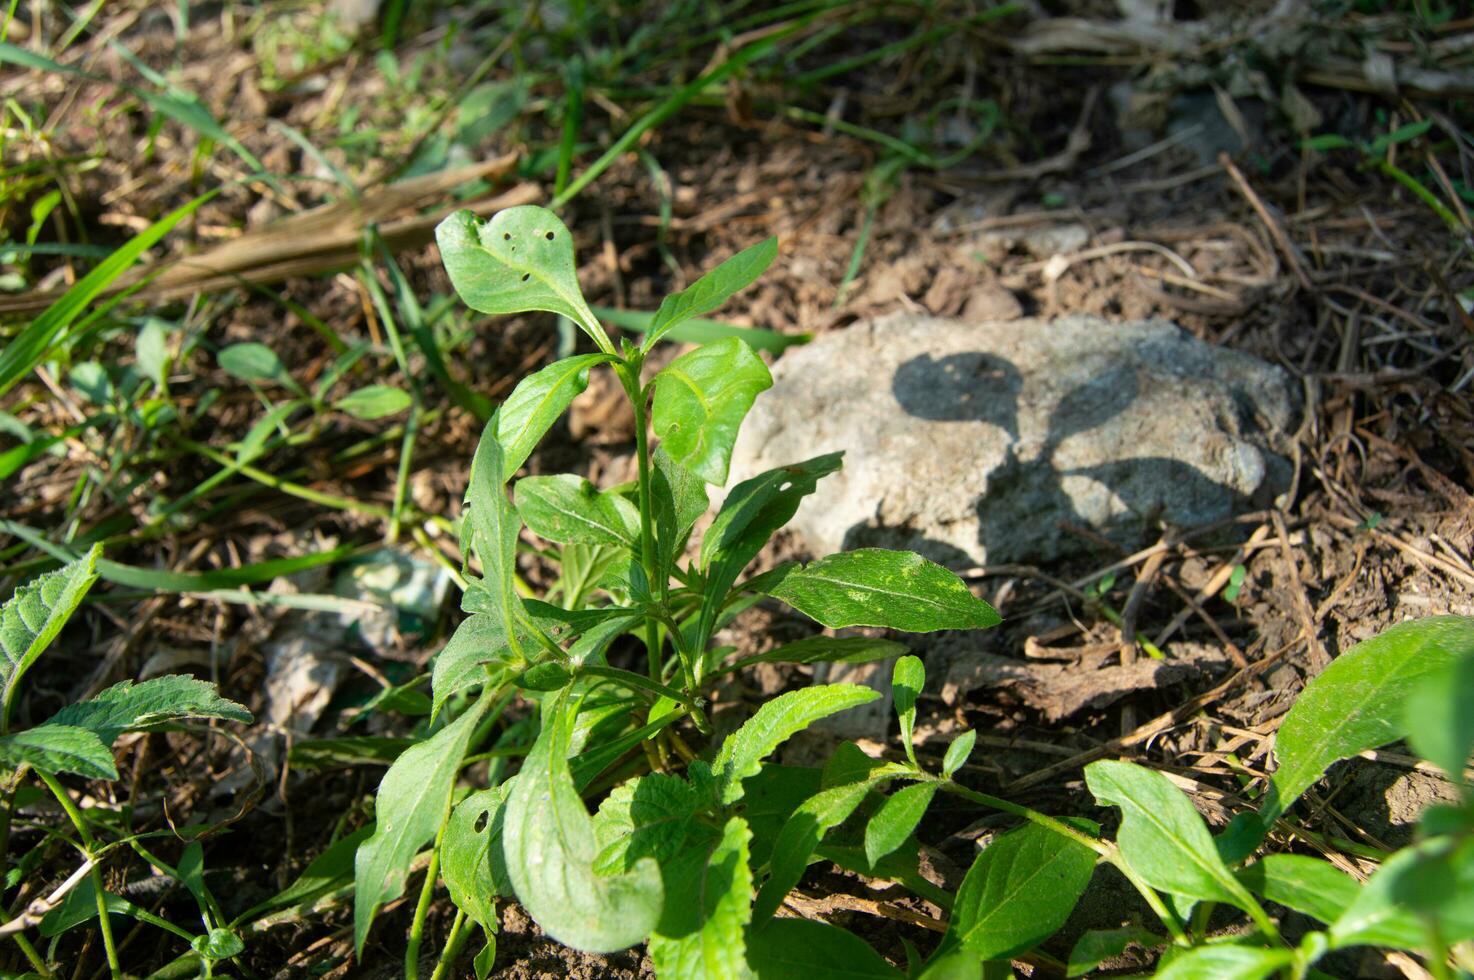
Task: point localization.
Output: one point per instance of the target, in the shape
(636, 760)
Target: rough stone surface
(971, 442)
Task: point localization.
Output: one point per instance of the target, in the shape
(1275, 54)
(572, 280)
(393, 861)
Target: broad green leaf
(1019, 891)
(743, 750)
(91, 381)
(1429, 882)
(520, 260)
(712, 289)
(1360, 702)
(329, 869)
(59, 748)
(537, 402)
(30, 347)
(1162, 836)
(374, 402)
(701, 399)
(465, 855)
(127, 706)
(877, 587)
(959, 752)
(897, 819)
(1226, 962)
(550, 846)
(490, 528)
(31, 618)
(1098, 945)
(462, 664)
(570, 510)
(1306, 884)
(907, 680)
(802, 949)
(678, 500)
(255, 362)
(1439, 718)
(704, 939)
(412, 802)
(218, 944)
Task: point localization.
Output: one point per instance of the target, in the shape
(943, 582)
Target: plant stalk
(422, 909)
(453, 944)
(90, 846)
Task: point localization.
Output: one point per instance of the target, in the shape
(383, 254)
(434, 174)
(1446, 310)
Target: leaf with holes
(712, 289)
(33, 615)
(701, 399)
(520, 260)
(465, 855)
(877, 587)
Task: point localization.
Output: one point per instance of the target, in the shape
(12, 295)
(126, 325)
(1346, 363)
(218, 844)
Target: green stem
(285, 486)
(453, 944)
(30, 951)
(638, 681)
(90, 846)
(422, 909)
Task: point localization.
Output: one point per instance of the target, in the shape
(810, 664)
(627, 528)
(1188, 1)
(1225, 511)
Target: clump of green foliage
(694, 848)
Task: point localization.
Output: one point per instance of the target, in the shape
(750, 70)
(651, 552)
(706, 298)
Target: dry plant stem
(104, 924)
(1107, 850)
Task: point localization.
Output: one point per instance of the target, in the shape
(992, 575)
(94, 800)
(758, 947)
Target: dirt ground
(1114, 181)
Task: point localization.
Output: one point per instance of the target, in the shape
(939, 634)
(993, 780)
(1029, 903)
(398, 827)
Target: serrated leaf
(59, 748)
(537, 402)
(959, 752)
(127, 706)
(743, 750)
(374, 402)
(465, 855)
(520, 260)
(1225, 962)
(704, 939)
(701, 399)
(462, 663)
(1359, 702)
(896, 819)
(570, 510)
(411, 803)
(802, 949)
(254, 362)
(1019, 891)
(1098, 945)
(550, 846)
(34, 614)
(1430, 882)
(907, 680)
(1439, 718)
(1162, 836)
(1310, 885)
(878, 587)
(712, 289)
(649, 816)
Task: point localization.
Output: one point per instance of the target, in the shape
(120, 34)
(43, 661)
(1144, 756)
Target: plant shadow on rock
(1031, 489)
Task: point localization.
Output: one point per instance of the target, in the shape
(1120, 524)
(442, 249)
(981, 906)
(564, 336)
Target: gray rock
(971, 442)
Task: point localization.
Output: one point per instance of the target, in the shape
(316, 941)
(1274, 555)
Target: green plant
(697, 841)
(78, 740)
